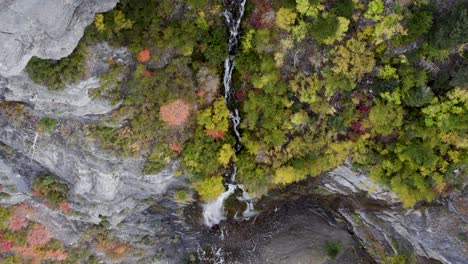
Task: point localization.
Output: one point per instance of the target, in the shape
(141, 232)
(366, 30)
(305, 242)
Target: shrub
(451, 29)
(181, 196)
(209, 188)
(56, 74)
(374, 10)
(47, 125)
(333, 248)
(52, 189)
(38, 235)
(285, 18)
(344, 8)
(175, 113)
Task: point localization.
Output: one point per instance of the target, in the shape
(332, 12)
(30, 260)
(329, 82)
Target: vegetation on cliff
(382, 86)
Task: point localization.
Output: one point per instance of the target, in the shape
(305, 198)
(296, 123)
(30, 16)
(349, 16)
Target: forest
(381, 86)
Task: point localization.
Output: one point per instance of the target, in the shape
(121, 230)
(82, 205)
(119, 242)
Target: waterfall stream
(213, 212)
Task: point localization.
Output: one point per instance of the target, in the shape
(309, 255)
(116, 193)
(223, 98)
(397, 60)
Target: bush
(52, 189)
(209, 188)
(324, 27)
(333, 248)
(47, 125)
(181, 196)
(344, 8)
(55, 75)
(451, 29)
(374, 10)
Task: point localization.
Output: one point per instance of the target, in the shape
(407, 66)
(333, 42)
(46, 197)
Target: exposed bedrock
(48, 29)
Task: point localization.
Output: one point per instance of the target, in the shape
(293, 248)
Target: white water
(213, 212)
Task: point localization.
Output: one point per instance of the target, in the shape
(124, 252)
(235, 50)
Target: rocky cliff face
(140, 210)
(46, 29)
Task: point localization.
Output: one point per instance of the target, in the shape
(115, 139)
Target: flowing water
(213, 212)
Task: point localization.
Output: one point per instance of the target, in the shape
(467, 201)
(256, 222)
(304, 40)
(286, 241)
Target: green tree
(451, 29)
(374, 10)
(285, 18)
(226, 153)
(209, 188)
(309, 7)
(353, 60)
(215, 117)
(385, 118)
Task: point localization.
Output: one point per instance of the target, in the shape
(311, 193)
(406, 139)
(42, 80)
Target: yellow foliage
(210, 188)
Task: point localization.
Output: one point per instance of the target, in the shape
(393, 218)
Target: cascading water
(213, 212)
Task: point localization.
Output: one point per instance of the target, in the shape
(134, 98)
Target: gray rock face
(74, 101)
(435, 232)
(47, 29)
(344, 181)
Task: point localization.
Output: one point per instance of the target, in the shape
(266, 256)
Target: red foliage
(65, 207)
(177, 148)
(38, 235)
(263, 15)
(240, 95)
(175, 113)
(363, 108)
(5, 245)
(201, 93)
(144, 55)
(57, 254)
(357, 127)
(17, 222)
(147, 74)
(215, 134)
(25, 210)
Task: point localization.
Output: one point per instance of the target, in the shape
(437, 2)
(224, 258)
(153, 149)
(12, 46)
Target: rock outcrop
(436, 231)
(44, 28)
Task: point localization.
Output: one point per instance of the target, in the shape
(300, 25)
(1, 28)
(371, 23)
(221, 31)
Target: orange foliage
(25, 210)
(113, 249)
(215, 134)
(17, 222)
(201, 93)
(144, 55)
(175, 113)
(31, 252)
(38, 235)
(177, 148)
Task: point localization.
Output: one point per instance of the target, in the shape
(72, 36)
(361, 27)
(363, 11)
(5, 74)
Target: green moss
(333, 248)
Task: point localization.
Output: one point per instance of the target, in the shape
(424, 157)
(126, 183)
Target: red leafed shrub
(64, 207)
(17, 222)
(201, 93)
(57, 254)
(147, 74)
(25, 209)
(144, 55)
(357, 127)
(263, 15)
(215, 134)
(5, 245)
(175, 113)
(38, 235)
(177, 148)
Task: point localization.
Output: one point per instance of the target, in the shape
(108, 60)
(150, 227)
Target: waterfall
(213, 212)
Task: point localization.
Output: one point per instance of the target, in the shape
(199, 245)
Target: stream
(213, 212)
